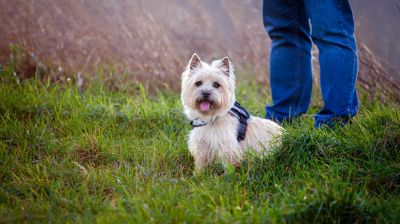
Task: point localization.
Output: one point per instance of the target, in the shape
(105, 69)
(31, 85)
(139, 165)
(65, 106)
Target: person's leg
(287, 24)
(333, 32)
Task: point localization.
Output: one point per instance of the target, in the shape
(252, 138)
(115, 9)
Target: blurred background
(151, 41)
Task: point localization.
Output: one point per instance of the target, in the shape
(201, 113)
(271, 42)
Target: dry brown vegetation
(148, 41)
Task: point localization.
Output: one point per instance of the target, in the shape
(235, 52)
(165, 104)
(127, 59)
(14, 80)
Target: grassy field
(120, 156)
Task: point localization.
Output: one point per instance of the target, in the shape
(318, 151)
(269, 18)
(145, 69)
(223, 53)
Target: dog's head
(208, 90)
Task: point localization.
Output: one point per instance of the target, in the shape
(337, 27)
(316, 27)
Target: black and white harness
(237, 111)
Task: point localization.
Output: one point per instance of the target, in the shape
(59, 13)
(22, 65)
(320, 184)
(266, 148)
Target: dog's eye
(216, 85)
(199, 83)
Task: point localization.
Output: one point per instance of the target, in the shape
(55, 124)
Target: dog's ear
(226, 66)
(194, 62)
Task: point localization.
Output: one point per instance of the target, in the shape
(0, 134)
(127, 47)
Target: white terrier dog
(221, 127)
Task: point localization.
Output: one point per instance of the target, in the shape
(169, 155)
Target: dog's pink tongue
(205, 106)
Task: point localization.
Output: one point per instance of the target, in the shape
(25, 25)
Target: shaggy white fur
(208, 93)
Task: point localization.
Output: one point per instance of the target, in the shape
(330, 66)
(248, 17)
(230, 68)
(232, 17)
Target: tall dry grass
(147, 40)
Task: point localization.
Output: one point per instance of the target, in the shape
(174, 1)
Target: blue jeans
(293, 25)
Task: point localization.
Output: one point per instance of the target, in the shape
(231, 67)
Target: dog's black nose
(206, 94)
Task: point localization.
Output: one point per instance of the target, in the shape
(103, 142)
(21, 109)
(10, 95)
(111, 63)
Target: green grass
(120, 156)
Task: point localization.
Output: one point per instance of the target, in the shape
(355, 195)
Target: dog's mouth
(205, 105)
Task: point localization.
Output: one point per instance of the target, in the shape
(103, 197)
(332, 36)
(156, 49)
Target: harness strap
(237, 111)
(243, 116)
